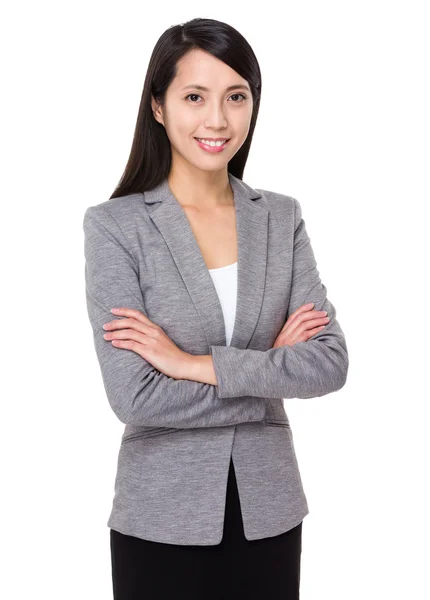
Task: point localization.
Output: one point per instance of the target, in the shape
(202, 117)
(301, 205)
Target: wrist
(200, 368)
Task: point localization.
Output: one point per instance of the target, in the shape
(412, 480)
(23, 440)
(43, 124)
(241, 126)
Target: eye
(243, 96)
(198, 96)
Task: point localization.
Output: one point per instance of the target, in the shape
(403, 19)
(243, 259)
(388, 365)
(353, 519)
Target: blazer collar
(252, 238)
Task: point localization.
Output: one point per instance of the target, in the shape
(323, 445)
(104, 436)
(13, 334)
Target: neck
(202, 189)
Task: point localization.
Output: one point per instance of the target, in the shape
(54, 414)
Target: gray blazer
(174, 456)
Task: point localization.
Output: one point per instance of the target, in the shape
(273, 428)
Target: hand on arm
(312, 366)
(138, 333)
(139, 393)
(299, 327)
(290, 369)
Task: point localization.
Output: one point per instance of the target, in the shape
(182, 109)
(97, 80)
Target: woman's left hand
(138, 333)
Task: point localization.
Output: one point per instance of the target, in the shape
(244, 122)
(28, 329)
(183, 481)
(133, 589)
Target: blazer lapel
(252, 238)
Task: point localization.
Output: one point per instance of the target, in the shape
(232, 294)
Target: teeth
(212, 143)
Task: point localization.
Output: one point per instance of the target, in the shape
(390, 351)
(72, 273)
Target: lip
(212, 149)
(211, 139)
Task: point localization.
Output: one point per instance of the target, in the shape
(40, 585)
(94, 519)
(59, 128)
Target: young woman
(220, 315)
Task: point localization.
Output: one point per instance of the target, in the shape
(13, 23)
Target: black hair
(150, 156)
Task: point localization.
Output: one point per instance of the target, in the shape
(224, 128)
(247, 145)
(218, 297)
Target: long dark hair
(150, 156)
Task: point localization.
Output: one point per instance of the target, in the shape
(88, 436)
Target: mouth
(214, 146)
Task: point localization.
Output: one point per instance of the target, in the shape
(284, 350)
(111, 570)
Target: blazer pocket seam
(148, 434)
(277, 423)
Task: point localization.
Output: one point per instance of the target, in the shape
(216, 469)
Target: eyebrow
(205, 89)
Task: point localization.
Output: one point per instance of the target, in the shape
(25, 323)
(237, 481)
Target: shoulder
(117, 212)
(281, 203)
(117, 206)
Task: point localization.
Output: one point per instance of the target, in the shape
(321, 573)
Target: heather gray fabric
(173, 462)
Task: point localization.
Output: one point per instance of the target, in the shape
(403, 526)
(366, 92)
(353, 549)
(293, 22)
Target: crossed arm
(231, 384)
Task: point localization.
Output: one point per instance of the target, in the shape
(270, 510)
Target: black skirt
(265, 569)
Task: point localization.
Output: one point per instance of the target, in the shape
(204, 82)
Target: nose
(215, 117)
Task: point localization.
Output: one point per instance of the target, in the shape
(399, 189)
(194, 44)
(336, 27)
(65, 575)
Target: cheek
(240, 121)
(245, 121)
(181, 133)
(182, 122)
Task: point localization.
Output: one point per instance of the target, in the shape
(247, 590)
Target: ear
(157, 110)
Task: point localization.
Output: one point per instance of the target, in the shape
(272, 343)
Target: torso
(215, 232)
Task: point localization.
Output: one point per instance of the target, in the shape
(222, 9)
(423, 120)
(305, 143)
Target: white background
(343, 127)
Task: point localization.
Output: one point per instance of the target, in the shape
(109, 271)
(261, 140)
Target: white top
(225, 281)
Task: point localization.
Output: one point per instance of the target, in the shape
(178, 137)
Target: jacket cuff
(230, 372)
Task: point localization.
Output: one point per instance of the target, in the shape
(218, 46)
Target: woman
(217, 297)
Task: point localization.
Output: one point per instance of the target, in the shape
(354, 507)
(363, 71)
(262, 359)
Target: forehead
(200, 68)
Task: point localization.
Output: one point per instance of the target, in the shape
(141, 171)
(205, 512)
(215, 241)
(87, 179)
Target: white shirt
(225, 281)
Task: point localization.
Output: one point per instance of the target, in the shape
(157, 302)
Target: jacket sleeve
(307, 369)
(138, 393)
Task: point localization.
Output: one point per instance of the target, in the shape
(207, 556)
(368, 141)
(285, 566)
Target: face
(222, 110)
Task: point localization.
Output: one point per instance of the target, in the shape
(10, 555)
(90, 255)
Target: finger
(313, 314)
(139, 349)
(127, 323)
(302, 309)
(126, 334)
(314, 322)
(302, 336)
(309, 324)
(133, 313)
(304, 318)
(312, 332)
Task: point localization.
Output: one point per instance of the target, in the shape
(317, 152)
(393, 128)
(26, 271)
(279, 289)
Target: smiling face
(222, 110)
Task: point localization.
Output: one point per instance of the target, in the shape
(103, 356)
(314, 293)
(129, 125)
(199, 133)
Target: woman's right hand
(301, 325)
